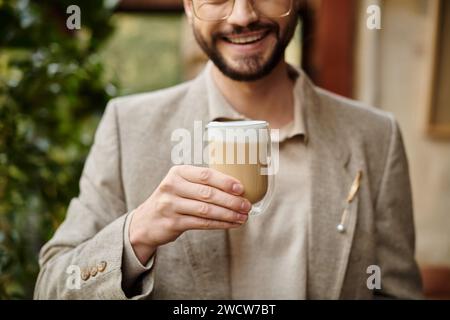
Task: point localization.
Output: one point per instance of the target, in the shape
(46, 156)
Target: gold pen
(350, 197)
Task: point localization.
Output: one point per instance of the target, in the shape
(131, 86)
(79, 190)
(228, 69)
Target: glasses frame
(291, 2)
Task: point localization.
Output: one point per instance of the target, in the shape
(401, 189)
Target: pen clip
(355, 187)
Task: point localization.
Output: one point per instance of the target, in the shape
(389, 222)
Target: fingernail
(242, 217)
(245, 206)
(238, 188)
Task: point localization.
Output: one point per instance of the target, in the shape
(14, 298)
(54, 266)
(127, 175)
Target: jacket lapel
(332, 173)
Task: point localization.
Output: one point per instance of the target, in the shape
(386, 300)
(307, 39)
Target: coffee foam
(238, 132)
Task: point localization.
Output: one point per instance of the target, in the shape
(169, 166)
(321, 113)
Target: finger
(205, 193)
(209, 211)
(212, 178)
(195, 223)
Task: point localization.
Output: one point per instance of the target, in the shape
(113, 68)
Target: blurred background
(55, 83)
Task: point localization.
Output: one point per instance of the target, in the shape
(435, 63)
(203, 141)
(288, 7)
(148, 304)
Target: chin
(253, 69)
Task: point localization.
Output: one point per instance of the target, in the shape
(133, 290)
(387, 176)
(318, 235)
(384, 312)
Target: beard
(252, 67)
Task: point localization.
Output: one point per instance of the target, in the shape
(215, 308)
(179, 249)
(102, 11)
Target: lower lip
(248, 48)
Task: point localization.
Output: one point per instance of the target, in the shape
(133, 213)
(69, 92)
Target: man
(143, 228)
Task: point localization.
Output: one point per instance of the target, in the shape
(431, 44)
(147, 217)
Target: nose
(243, 13)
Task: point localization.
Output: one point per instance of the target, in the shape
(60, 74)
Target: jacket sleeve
(83, 260)
(395, 235)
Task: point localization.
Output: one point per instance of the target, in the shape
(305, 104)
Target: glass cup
(243, 150)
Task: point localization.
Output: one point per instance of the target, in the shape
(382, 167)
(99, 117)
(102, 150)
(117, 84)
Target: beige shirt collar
(220, 108)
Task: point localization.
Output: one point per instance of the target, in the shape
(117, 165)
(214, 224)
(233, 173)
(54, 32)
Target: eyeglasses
(217, 10)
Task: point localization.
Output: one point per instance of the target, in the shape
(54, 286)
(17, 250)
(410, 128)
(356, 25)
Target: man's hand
(188, 198)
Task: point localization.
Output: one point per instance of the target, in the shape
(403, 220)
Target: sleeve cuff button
(101, 266)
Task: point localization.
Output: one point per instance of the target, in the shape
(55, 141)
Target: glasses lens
(213, 9)
(272, 8)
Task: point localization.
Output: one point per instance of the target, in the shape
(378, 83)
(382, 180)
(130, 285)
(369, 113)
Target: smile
(246, 38)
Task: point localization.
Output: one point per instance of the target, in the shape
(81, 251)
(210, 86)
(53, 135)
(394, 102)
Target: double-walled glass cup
(243, 150)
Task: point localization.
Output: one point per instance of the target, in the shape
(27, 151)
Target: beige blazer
(131, 155)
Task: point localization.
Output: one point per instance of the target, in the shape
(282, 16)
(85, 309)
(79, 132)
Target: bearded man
(143, 228)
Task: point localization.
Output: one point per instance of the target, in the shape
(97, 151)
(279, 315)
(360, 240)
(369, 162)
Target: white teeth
(244, 40)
